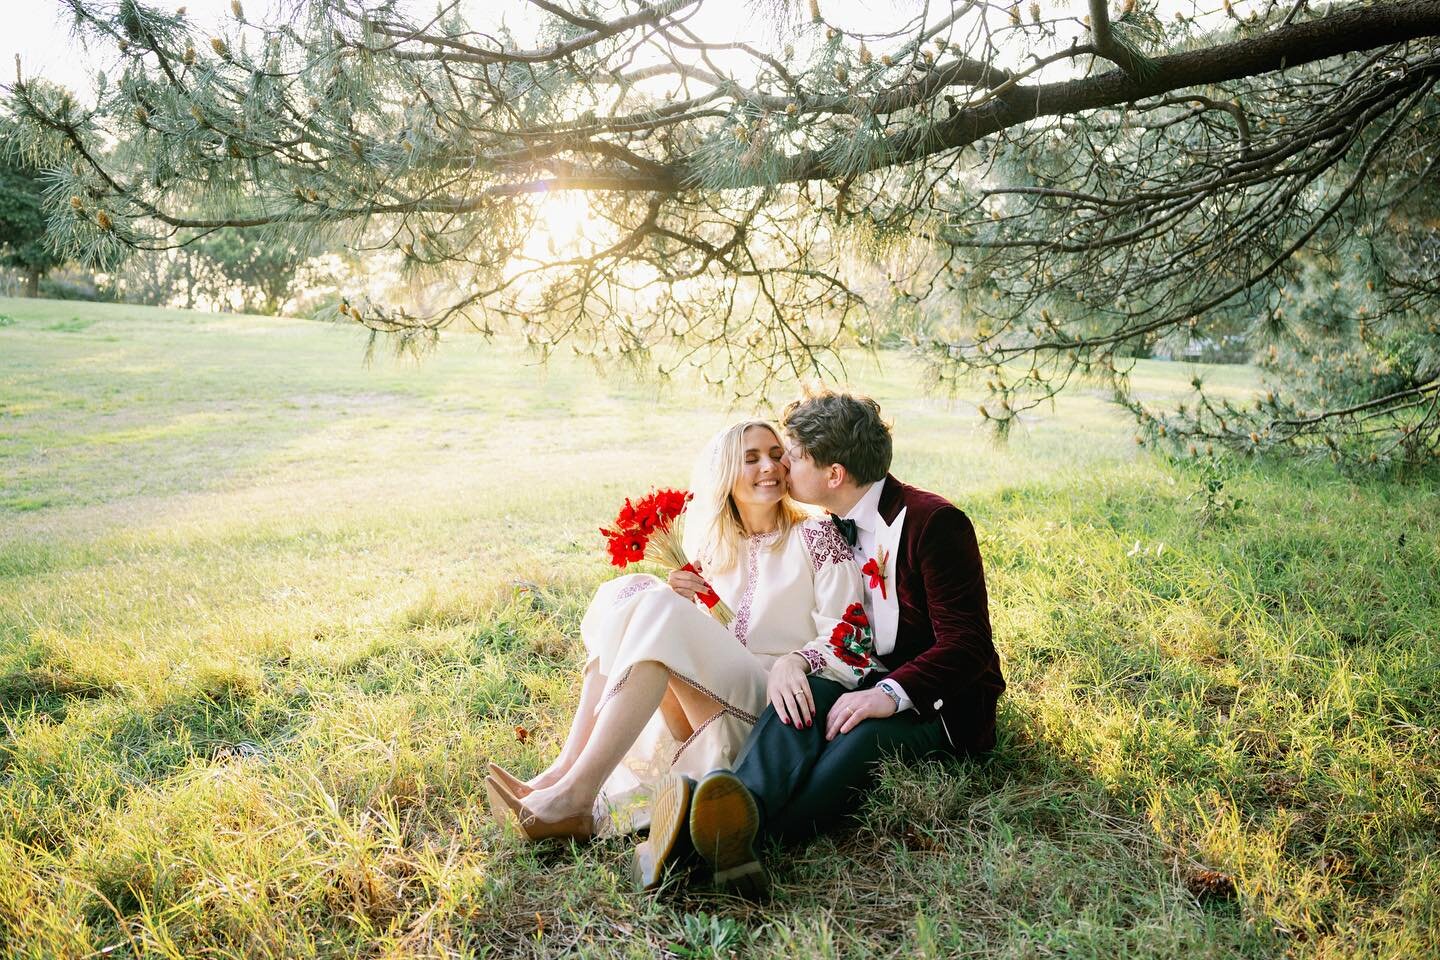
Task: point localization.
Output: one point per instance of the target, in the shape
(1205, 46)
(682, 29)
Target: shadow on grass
(32, 683)
(79, 748)
(45, 692)
(1020, 852)
(1215, 744)
(1184, 770)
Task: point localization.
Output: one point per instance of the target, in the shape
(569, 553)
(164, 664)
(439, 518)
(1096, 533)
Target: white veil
(701, 514)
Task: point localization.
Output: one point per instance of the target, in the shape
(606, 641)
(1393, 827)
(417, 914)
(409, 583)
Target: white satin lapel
(887, 608)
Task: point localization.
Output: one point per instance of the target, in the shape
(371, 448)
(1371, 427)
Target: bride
(668, 689)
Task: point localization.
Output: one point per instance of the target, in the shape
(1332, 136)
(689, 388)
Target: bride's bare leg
(675, 714)
(619, 723)
(591, 687)
(698, 707)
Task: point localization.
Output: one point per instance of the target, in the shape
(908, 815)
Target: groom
(813, 753)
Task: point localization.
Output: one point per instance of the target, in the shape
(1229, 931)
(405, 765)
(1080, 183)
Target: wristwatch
(890, 693)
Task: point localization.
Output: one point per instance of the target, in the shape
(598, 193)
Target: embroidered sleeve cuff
(905, 702)
(814, 658)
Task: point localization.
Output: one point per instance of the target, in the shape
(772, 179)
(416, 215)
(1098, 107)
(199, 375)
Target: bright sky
(39, 30)
(40, 33)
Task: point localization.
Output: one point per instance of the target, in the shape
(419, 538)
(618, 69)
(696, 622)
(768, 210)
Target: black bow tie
(847, 529)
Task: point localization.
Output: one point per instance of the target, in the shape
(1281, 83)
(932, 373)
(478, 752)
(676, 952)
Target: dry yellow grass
(260, 630)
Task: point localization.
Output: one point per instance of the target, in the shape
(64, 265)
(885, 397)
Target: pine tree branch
(1108, 46)
(452, 50)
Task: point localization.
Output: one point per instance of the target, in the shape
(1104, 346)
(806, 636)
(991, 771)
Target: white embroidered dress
(792, 598)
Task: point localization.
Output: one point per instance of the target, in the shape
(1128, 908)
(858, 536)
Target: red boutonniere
(875, 569)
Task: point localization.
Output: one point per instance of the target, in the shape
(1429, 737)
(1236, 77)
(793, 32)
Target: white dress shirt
(866, 514)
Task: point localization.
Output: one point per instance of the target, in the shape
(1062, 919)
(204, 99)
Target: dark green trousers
(804, 784)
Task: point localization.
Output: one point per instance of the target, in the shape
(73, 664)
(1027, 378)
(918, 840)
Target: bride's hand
(686, 583)
(789, 691)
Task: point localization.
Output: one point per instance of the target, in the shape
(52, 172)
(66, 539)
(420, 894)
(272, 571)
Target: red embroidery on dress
(825, 544)
(640, 585)
(729, 708)
(741, 626)
(691, 739)
(814, 658)
(614, 689)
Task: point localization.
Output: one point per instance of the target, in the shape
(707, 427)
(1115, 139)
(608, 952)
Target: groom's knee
(851, 755)
(825, 692)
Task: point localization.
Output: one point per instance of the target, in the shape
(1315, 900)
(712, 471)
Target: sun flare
(562, 226)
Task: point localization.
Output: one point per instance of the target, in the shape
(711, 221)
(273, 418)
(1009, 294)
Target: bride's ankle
(548, 777)
(558, 802)
(545, 778)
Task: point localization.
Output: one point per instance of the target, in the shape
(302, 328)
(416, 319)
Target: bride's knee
(620, 589)
(654, 601)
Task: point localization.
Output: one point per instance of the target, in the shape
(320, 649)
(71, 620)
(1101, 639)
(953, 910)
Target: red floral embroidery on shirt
(855, 614)
(852, 640)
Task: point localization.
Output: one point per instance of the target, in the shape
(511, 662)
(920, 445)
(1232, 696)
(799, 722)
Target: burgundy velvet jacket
(943, 656)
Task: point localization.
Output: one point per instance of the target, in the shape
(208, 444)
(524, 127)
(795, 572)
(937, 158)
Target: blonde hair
(722, 536)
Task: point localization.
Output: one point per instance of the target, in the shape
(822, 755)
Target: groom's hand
(789, 690)
(854, 707)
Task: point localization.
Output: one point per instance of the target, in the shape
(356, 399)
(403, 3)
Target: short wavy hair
(843, 428)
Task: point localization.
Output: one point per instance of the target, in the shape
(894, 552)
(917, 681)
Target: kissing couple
(857, 634)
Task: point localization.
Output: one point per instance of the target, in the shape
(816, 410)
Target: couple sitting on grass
(857, 634)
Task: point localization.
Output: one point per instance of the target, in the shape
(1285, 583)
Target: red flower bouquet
(649, 529)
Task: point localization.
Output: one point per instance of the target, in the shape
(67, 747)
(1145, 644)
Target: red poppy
(845, 654)
(634, 545)
(855, 615)
(876, 573)
(662, 506)
(646, 520)
(642, 530)
(625, 546)
(672, 503)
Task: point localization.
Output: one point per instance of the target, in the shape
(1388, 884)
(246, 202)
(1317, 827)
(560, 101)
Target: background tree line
(1025, 197)
(250, 272)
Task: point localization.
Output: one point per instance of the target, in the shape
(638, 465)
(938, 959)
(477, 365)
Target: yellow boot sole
(669, 822)
(723, 825)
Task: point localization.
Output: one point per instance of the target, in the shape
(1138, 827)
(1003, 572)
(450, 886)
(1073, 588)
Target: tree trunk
(32, 283)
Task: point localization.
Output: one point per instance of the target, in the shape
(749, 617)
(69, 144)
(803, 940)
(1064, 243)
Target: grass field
(266, 612)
